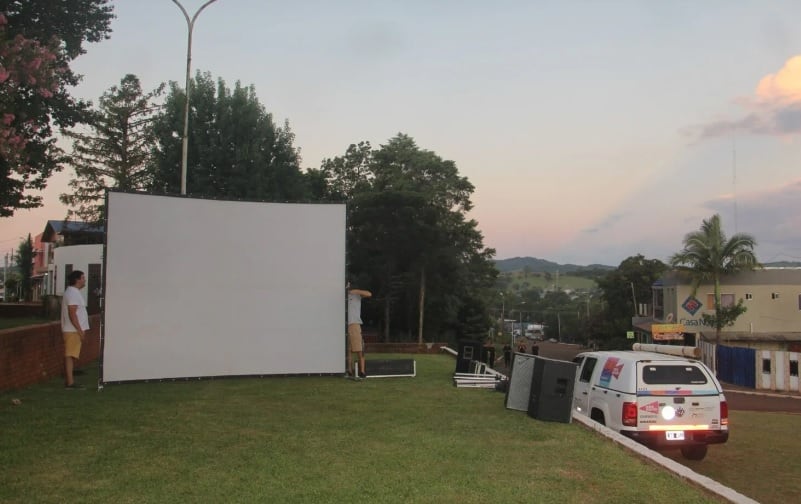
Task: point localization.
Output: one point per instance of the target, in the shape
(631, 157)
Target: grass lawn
(761, 458)
(308, 439)
(521, 280)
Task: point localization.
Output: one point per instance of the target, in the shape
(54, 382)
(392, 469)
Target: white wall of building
(80, 256)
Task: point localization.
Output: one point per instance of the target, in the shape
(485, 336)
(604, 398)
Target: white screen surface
(222, 288)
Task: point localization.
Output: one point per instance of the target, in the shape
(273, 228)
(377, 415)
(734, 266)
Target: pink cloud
(774, 109)
(783, 87)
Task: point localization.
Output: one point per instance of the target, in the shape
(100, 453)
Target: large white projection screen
(201, 288)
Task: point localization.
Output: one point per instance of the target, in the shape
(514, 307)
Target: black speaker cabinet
(468, 351)
(552, 384)
(519, 391)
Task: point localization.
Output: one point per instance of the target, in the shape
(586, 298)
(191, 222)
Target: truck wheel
(694, 452)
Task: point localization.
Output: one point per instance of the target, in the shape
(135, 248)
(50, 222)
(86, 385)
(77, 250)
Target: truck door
(581, 391)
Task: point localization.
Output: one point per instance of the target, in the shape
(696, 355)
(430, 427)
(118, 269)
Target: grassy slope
(308, 439)
(530, 281)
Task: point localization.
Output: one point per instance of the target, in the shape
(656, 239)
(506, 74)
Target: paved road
(744, 401)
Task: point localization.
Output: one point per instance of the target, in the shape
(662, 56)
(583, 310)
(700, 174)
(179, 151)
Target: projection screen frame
(330, 298)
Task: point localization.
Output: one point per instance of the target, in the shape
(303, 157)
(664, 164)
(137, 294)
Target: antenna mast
(734, 178)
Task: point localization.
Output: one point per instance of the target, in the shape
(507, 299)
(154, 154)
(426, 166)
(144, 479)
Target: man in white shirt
(74, 324)
(355, 343)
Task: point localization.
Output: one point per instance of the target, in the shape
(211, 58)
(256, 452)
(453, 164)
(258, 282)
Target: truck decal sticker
(651, 407)
(611, 369)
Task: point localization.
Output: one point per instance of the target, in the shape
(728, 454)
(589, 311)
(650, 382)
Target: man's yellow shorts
(72, 344)
(355, 338)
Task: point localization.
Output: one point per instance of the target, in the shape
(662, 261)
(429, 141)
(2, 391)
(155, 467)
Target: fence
(768, 370)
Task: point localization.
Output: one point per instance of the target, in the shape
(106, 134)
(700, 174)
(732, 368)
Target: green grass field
(521, 281)
(308, 439)
(760, 459)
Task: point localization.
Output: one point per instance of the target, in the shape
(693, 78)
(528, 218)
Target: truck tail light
(630, 414)
(724, 413)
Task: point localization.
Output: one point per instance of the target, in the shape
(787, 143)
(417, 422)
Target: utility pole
(5, 278)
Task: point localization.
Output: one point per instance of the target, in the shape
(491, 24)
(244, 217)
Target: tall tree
(25, 266)
(235, 148)
(408, 231)
(349, 174)
(708, 255)
(631, 280)
(116, 151)
(38, 41)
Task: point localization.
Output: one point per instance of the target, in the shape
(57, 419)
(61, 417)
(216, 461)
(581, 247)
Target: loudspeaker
(552, 384)
(518, 393)
(468, 351)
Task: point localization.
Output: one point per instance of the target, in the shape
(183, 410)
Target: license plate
(674, 435)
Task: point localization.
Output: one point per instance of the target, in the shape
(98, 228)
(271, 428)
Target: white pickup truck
(663, 401)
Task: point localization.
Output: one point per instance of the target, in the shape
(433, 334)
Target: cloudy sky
(592, 131)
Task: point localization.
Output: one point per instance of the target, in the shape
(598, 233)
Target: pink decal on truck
(651, 407)
(611, 368)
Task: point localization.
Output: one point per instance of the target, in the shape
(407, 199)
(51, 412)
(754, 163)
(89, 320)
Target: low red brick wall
(411, 348)
(34, 354)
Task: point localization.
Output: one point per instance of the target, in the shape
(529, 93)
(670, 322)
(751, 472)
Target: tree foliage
(408, 233)
(235, 148)
(631, 280)
(38, 40)
(115, 153)
(25, 266)
(709, 255)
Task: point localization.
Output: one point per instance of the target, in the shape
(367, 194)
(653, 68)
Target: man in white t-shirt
(355, 343)
(74, 324)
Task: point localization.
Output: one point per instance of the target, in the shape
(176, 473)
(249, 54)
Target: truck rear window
(670, 375)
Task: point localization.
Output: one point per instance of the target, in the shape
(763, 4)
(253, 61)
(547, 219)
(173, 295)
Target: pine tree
(116, 151)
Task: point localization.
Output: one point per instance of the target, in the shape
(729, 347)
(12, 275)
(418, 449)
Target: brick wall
(34, 354)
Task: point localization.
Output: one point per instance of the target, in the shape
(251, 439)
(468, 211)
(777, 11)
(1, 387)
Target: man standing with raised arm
(355, 342)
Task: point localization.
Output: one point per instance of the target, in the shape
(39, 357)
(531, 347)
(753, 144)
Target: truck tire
(694, 452)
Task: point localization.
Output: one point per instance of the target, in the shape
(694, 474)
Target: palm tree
(708, 255)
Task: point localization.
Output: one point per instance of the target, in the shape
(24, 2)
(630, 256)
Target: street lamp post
(190, 24)
(503, 314)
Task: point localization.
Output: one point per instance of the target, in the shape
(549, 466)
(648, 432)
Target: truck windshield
(673, 375)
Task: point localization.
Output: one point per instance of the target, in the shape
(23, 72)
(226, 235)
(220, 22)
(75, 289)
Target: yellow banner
(667, 331)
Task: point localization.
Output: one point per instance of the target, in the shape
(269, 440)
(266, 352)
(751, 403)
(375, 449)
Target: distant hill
(543, 266)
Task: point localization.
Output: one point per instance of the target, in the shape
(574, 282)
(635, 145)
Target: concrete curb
(683, 472)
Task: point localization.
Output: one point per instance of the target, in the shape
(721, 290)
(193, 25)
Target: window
(799, 301)
(726, 301)
(673, 375)
(659, 303)
(748, 296)
(67, 271)
(774, 295)
(766, 366)
(586, 371)
(793, 368)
